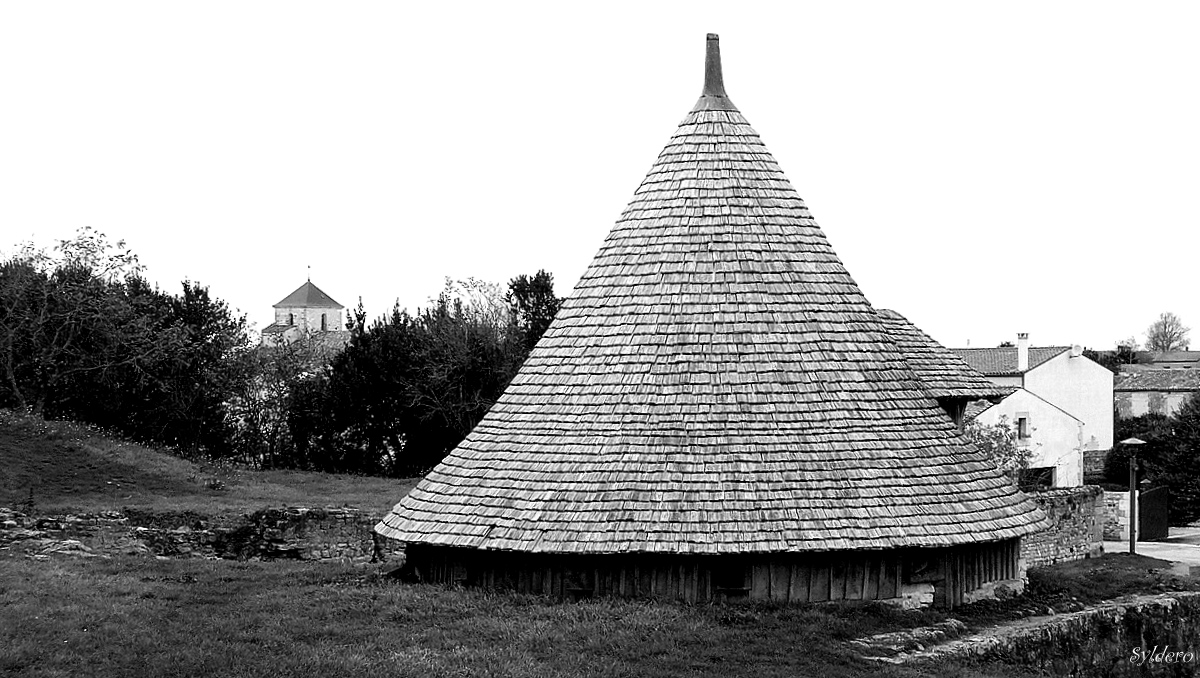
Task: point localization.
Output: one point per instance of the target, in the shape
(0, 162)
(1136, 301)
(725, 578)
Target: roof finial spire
(713, 98)
(714, 83)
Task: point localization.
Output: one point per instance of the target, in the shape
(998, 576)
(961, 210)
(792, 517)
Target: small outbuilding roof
(1002, 361)
(716, 383)
(1173, 358)
(943, 373)
(308, 295)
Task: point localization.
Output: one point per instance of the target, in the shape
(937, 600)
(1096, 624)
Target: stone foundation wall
(1116, 516)
(1155, 635)
(1076, 530)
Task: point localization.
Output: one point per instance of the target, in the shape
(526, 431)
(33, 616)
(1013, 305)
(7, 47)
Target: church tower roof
(308, 295)
(716, 383)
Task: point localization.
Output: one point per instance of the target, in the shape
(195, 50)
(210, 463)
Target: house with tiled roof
(1143, 390)
(308, 311)
(1007, 365)
(1061, 408)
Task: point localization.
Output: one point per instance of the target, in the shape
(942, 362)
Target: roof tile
(1002, 361)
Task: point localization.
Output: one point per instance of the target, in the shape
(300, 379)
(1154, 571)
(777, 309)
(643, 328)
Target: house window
(1037, 478)
(1023, 431)
(322, 322)
(291, 319)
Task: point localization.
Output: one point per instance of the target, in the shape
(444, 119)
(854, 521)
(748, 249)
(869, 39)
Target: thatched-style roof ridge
(716, 383)
(942, 372)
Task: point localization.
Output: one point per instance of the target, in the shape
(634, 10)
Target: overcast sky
(983, 169)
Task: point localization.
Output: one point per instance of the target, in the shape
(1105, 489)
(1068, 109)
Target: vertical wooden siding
(966, 568)
(785, 578)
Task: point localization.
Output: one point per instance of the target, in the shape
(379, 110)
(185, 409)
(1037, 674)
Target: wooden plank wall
(785, 578)
(966, 568)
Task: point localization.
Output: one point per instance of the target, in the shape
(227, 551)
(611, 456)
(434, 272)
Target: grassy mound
(59, 467)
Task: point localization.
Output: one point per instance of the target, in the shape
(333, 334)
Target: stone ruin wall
(310, 534)
(1077, 519)
(1078, 524)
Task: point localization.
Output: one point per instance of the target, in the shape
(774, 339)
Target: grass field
(126, 617)
(129, 616)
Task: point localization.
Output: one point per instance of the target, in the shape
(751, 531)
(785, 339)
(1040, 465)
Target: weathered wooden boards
(782, 577)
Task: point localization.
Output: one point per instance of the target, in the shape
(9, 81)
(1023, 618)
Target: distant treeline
(83, 336)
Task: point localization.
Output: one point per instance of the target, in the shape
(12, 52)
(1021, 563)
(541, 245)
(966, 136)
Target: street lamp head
(1133, 441)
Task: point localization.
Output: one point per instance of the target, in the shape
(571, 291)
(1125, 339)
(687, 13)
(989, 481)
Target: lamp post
(1133, 517)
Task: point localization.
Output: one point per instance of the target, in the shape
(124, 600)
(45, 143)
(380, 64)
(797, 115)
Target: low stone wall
(314, 534)
(1142, 636)
(1116, 516)
(1076, 530)
(342, 534)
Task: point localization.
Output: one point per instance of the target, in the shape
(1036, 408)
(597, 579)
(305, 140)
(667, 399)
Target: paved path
(1182, 546)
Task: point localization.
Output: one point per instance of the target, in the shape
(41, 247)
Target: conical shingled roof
(716, 383)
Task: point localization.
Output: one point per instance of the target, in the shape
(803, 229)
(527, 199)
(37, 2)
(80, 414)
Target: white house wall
(1137, 403)
(1016, 381)
(1055, 436)
(1083, 388)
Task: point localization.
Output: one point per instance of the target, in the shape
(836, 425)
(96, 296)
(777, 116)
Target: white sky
(982, 169)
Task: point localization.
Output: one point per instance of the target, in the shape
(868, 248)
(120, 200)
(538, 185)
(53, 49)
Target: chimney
(1022, 351)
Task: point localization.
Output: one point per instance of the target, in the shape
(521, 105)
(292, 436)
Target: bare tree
(1167, 334)
(68, 314)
